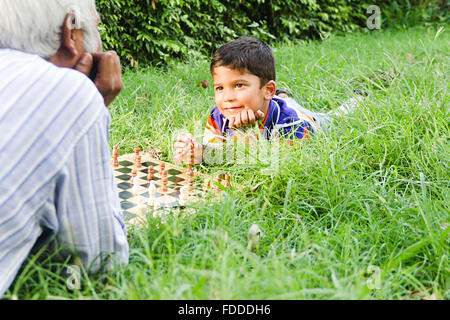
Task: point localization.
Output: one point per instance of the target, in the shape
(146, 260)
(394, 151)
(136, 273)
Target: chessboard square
(174, 194)
(125, 205)
(173, 203)
(124, 177)
(149, 164)
(145, 179)
(145, 194)
(174, 172)
(124, 170)
(159, 194)
(125, 163)
(127, 214)
(125, 195)
(175, 179)
(124, 185)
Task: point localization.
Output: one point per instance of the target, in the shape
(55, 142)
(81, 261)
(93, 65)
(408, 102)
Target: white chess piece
(183, 195)
(141, 206)
(134, 188)
(187, 194)
(151, 192)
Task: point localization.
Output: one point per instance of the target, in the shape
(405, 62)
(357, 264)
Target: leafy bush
(157, 31)
(409, 13)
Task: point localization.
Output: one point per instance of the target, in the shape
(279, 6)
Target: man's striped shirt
(55, 174)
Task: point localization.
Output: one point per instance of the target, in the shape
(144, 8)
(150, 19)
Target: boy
(243, 71)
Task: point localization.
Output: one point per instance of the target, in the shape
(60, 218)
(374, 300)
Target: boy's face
(236, 91)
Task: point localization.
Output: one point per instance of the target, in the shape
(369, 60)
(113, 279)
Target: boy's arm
(213, 142)
(299, 131)
(212, 133)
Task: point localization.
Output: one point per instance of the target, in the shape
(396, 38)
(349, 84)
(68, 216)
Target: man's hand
(104, 70)
(245, 119)
(183, 146)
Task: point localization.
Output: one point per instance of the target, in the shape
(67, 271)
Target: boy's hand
(183, 146)
(104, 70)
(245, 119)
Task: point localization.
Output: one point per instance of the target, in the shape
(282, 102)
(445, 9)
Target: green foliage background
(157, 31)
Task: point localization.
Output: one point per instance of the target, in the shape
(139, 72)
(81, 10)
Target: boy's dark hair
(246, 54)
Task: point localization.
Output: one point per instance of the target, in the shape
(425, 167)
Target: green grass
(371, 194)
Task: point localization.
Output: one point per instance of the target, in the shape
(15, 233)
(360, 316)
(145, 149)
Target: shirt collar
(273, 113)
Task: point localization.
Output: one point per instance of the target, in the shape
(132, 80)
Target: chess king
(57, 185)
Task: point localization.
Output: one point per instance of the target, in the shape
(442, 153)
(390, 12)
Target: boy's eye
(219, 88)
(239, 85)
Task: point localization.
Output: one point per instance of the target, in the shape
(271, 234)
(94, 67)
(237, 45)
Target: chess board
(136, 199)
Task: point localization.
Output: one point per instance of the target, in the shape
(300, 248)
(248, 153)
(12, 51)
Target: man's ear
(270, 89)
(68, 34)
(71, 46)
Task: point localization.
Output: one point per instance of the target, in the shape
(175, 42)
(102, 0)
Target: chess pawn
(156, 206)
(227, 181)
(138, 161)
(133, 177)
(206, 186)
(164, 181)
(152, 188)
(115, 155)
(151, 193)
(191, 154)
(136, 153)
(162, 167)
(219, 181)
(133, 180)
(150, 173)
(141, 205)
(190, 179)
(191, 159)
(185, 195)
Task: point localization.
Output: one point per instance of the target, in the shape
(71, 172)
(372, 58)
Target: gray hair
(35, 26)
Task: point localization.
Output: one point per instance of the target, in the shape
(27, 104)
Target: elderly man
(55, 178)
